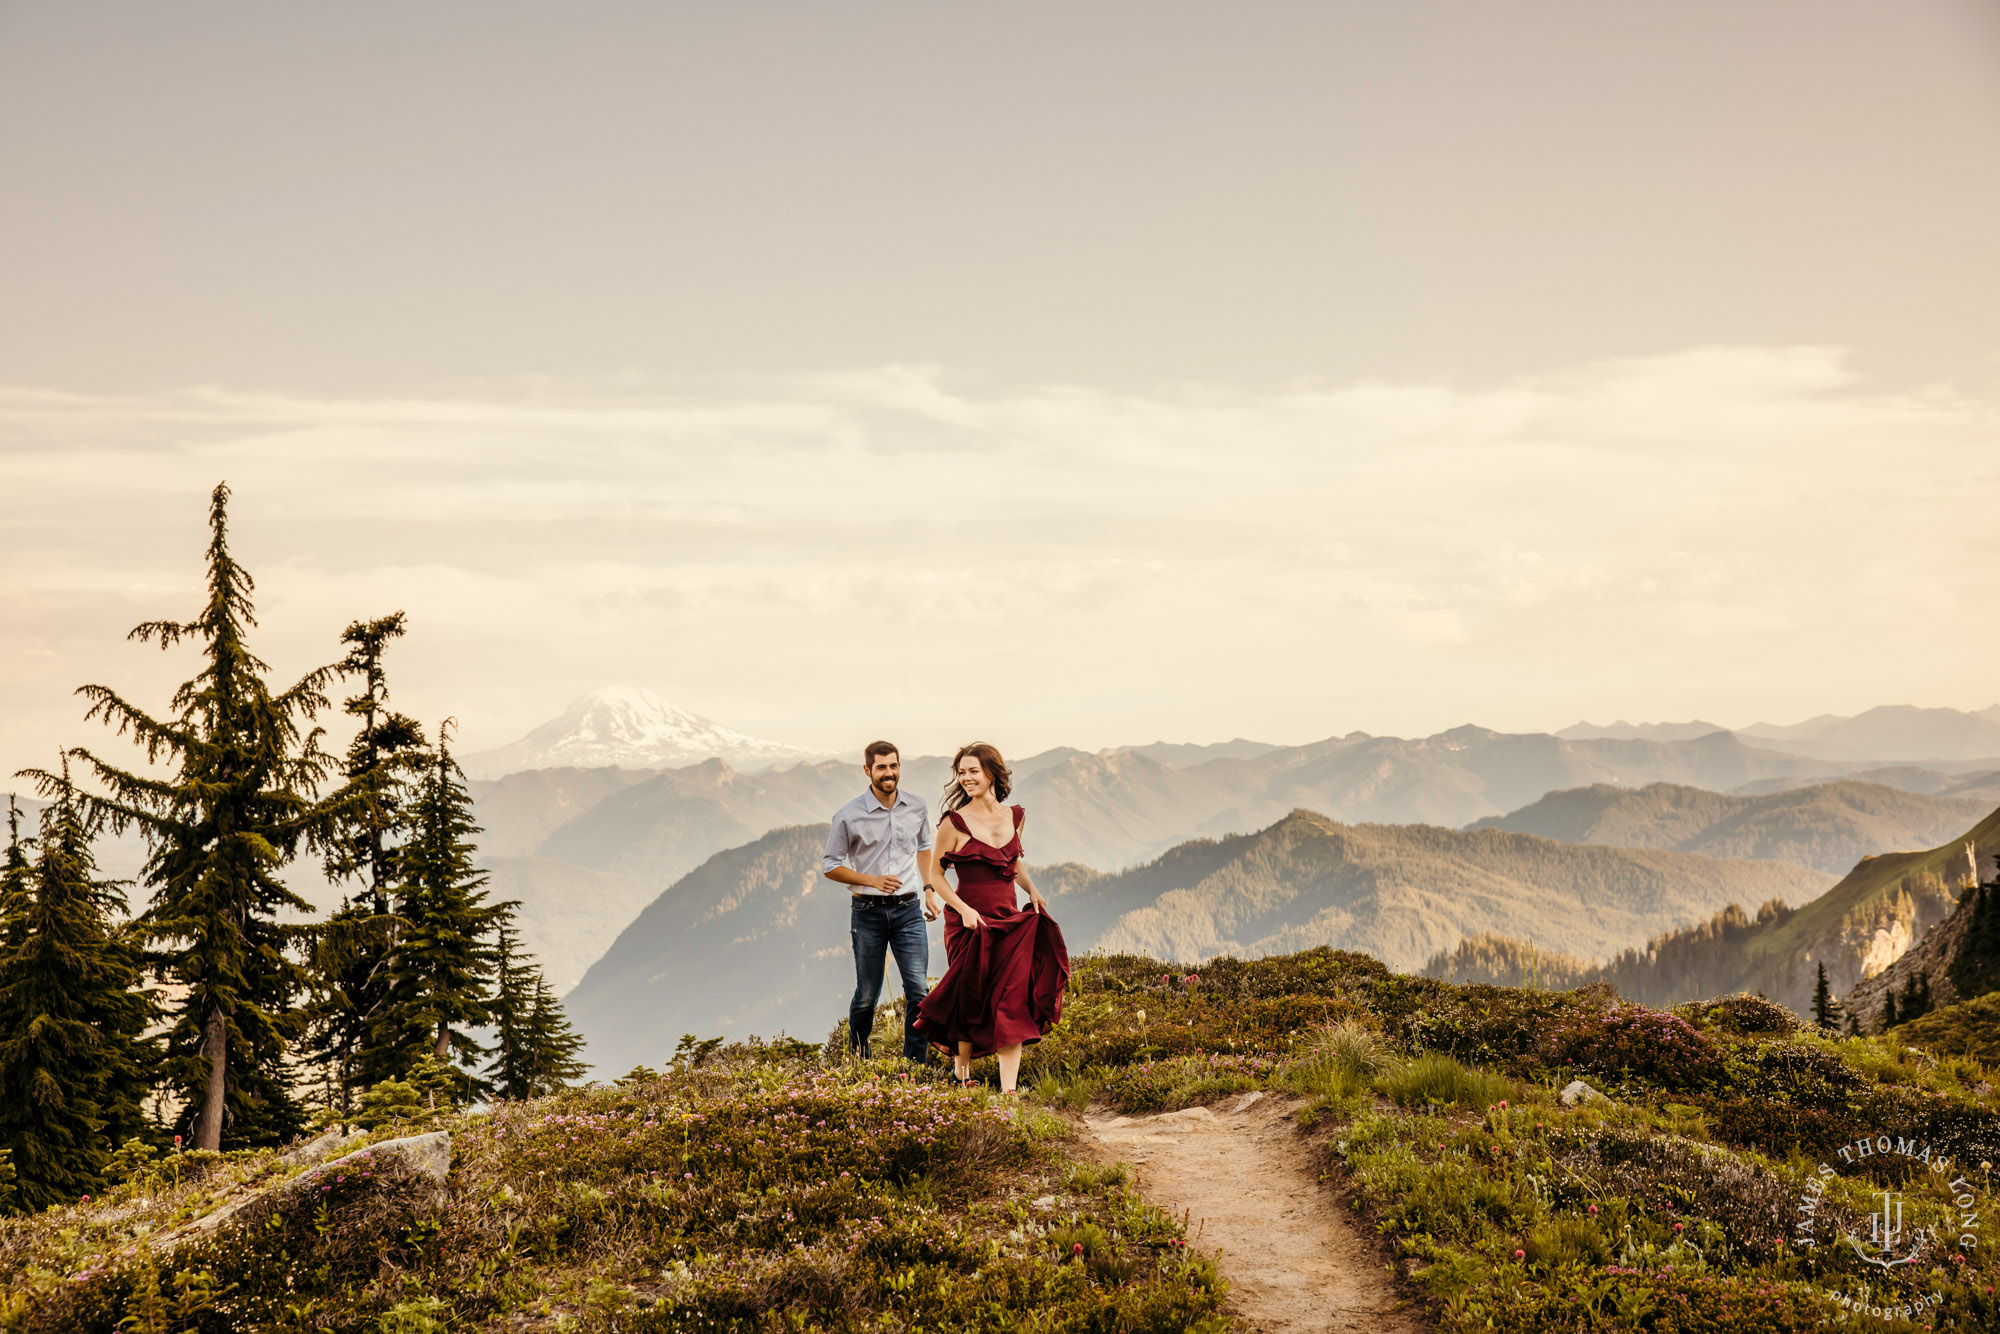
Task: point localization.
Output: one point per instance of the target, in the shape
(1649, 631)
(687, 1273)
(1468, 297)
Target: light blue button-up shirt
(879, 840)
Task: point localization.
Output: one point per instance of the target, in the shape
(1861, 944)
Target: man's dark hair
(875, 748)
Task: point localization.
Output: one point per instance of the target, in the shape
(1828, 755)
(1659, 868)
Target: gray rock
(1576, 1091)
(429, 1156)
(317, 1150)
(1244, 1103)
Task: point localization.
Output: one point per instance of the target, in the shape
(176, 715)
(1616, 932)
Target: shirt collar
(874, 803)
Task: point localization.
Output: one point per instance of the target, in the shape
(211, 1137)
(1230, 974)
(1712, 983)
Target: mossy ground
(778, 1187)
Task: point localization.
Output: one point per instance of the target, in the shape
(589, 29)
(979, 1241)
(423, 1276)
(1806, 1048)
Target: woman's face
(972, 776)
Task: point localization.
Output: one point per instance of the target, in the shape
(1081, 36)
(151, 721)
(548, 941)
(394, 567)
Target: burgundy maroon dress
(1004, 982)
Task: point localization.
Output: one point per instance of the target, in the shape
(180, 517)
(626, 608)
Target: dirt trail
(1294, 1259)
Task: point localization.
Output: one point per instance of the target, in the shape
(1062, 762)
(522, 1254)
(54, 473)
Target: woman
(1003, 984)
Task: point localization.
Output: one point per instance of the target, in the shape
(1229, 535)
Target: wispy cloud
(1727, 531)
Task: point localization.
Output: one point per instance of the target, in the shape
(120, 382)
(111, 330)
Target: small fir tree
(236, 806)
(1888, 1010)
(1822, 1000)
(74, 1062)
(554, 1046)
(535, 1049)
(441, 963)
(1916, 998)
(351, 950)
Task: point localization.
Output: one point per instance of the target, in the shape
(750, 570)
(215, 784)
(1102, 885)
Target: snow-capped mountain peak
(633, 728)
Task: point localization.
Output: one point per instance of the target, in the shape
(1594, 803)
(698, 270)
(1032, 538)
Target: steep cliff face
(1929, 957)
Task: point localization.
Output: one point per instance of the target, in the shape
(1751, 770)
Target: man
(880, 848)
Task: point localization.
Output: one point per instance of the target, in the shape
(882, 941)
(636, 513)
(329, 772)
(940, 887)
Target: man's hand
(930, 904)
(888, 884)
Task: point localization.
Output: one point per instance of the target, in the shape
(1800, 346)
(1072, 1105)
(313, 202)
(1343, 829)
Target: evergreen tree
(351, 950)
(13, 879)
(1853, 1024)
(74, 1062)
(386, 754)
(1888, 1010)
(236, 806)
(1916, 998)
(535, 1049)
(1975, 965)
(440, 966)
(1822, 1000)
(553, 1045)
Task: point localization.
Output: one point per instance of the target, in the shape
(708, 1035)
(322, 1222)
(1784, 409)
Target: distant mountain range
(1892, 732)
(629, 727)
(755, 940)
(636, 831)
(1826, 827)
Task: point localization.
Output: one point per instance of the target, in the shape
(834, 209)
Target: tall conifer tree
(74, 1063)
(237, 806)
(441, 964)
(351, 950)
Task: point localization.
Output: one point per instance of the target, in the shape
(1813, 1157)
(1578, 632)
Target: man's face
(885, 771)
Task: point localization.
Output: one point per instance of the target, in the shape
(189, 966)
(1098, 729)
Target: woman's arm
(950, 840)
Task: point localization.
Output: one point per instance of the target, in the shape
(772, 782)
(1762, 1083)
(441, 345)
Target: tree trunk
(215, 1042)
(442, 1049)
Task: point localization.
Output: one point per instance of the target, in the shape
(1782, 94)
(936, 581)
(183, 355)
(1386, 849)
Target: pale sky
(1055, 374)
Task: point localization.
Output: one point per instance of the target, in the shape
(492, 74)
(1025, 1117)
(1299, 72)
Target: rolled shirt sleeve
(924, 840)
(838, 841)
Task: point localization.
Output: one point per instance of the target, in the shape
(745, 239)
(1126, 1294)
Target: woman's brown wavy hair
(997, 774)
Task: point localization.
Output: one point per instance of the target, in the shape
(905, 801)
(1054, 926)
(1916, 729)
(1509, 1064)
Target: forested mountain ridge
(1826, 827)
(1857, 929)
(1400, 892)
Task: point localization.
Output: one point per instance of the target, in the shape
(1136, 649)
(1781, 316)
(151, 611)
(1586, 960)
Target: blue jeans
(876, 927)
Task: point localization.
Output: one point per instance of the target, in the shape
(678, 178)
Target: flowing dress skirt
(1003, 983)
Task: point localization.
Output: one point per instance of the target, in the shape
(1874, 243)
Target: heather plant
(1741, 1013)
(1636, 1043)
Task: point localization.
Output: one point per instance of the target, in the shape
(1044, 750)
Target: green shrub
(1439, 1081)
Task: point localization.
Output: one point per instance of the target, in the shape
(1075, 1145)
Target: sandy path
(1294, 1260)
